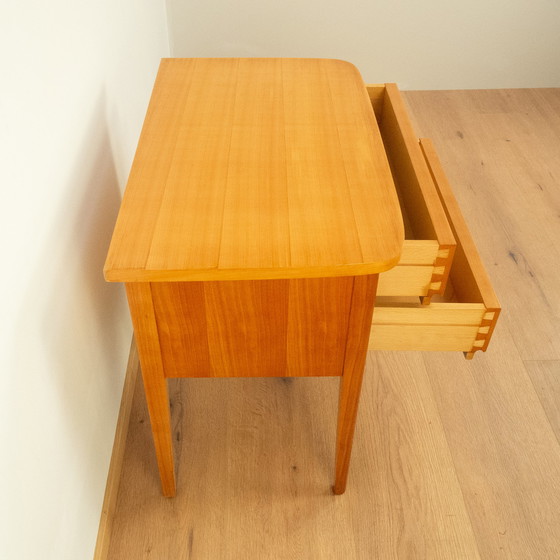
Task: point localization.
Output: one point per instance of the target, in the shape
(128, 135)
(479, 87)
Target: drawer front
(455, 326)
(429, 246)
(465, 317)
(422, 270)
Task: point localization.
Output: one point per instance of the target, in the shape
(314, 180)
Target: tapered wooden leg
(361, 312)
(155, 385)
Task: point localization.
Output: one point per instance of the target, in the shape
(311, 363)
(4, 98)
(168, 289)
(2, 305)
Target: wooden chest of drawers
(260, 218)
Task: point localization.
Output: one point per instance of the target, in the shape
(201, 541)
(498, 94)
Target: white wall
(76, 78)
(435, 44)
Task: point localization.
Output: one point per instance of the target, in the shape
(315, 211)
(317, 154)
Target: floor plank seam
(456, 474)
(543, 405)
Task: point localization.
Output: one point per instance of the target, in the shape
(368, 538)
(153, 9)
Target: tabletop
(257, 169)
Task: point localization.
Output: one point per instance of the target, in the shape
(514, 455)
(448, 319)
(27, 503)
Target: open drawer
(465, 316)
(429, 242)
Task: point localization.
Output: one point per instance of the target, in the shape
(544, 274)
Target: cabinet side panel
(181, 322)
(254, 328)
(318, 325)
(246, 326)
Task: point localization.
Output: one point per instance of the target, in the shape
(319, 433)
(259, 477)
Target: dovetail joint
(439, 274)
(482, 336)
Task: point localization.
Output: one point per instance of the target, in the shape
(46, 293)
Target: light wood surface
(106, 520)
(141, 306)
(429, 247)
(424, 337)
(470, 279)
(359, 323)
(442, 326)
(438, 247)
(407, 280)
(435, 327)
(545, 376)
(426, 214)
(257, 169)
(452, 459)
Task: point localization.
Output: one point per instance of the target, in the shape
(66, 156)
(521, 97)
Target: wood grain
(359, 324)
(180, 312)
(106, 521)
(253, 328)
(545, 376)
(416, 252)
(504, 450)
(153, 158)
(426, 225)
(411, 174)
(408, 280)
(319, 313)
(437, 327)
(376, 93)
(257, 169)
(253, 232)
(429, 337)
(436, 313)
(247, 327)
(408, 467)
(470, 279)
(482, 289)
(261, 451)
(155, 385)
(440, 327)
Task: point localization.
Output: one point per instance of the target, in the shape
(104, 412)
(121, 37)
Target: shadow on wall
(79, 324)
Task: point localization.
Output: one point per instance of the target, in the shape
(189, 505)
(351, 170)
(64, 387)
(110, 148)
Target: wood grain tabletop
(257, 169)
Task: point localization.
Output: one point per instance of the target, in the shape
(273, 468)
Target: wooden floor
(452, 458)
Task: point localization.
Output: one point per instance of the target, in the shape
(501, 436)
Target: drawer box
(430, 244)
(465, 316)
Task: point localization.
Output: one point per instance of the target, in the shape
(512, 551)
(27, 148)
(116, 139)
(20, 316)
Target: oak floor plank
(256, 460)
(504, 450)
(546, 381)
(408, 469)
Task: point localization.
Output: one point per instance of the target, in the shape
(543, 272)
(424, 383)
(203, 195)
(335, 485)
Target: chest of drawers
(266, 205)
